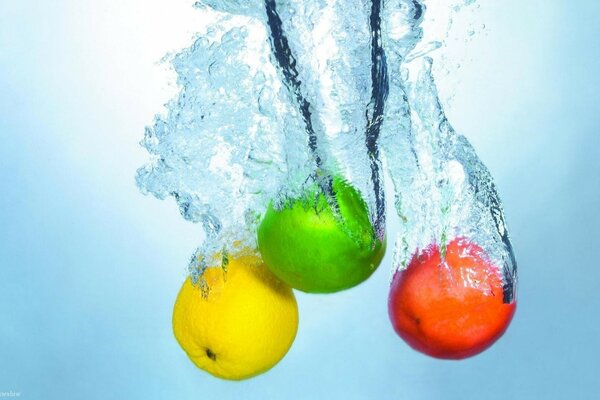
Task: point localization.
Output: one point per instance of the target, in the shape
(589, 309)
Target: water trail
(228, 141)
(279, 92)
(323, 52)
(235, 139)
(443, 190)
(375, 112)
(287, 64)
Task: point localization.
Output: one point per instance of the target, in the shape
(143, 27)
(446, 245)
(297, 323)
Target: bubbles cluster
(280, 95)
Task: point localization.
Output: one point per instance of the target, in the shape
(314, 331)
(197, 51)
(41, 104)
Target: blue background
(89, 268)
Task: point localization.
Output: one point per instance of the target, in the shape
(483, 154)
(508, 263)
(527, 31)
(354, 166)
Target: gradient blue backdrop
(89, 268)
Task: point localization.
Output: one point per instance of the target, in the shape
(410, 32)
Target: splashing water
(280, 94)
(443, 190)
(228, 141)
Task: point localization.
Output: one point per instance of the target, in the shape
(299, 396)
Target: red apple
(450, 308)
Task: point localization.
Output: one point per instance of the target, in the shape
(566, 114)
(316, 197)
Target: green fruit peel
(321, 245)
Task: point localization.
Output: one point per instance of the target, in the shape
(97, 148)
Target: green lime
(317, 247)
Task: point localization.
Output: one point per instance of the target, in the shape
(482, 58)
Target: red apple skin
(450, 310)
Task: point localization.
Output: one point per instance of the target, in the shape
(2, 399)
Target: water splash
(280, 94)
(443, 190)
(332, 62)
(229, 139)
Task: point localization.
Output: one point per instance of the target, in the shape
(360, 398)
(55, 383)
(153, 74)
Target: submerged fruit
(451, 308)
(243, 327)
(314, 248)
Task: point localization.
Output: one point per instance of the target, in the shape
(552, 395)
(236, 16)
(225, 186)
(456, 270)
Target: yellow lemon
(243, 327)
